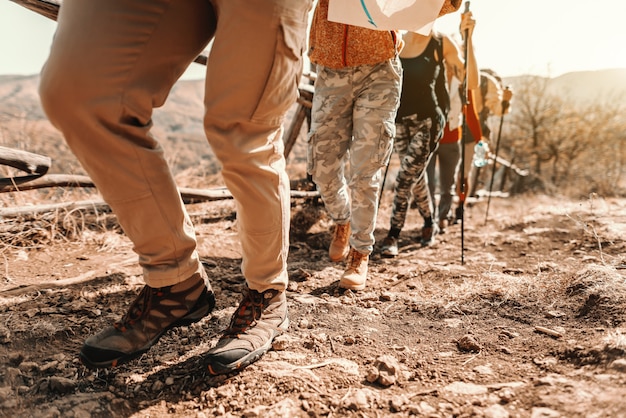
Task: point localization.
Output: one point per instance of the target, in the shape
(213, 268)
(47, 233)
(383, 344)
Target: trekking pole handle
(506, 103)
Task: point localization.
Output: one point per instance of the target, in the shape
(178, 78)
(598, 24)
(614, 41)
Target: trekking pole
(464, 100)
(382, 186)
(505, 106)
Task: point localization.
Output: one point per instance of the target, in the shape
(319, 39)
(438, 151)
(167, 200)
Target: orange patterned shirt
(337, 45)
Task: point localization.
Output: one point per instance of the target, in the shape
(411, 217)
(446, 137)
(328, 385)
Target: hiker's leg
(253, 73)
(111, 63)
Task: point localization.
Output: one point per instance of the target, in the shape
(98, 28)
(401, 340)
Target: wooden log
(26, 161)
(188, 195)
(51, 180)
(519, 171)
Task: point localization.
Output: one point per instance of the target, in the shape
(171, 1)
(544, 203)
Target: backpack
(483, 80)
(485, 75)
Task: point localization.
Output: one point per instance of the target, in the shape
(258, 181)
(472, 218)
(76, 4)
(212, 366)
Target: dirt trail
(530, 325)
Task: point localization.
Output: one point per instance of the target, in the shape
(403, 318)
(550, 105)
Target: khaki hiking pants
(113, 61)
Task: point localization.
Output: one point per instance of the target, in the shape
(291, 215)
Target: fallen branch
(51, 180)
(26, 161)
(519, 171)
(548, 331)
(34, 165)
(20, 290)
(97, 205)
(188, 195)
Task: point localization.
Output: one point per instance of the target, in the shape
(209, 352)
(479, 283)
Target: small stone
(388, 370)
(496, 411)
(541, 412)
(468, 343)
(62, 384)
(157, 386)
(372, 374)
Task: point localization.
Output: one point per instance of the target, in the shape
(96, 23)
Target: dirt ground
(527, 321)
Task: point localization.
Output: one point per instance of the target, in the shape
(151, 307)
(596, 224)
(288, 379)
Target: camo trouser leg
(351, 141)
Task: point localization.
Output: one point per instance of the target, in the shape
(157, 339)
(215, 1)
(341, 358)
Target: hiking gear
(464, 97)
(152, 313)
(340, 244)
(389, 247)
(443, 223)
(458, 215)
(428, 235)
(260, 317)
(356, 271)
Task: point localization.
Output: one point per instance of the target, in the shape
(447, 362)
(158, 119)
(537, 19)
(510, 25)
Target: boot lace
(248, 312)
(354, 260)
(138, 309)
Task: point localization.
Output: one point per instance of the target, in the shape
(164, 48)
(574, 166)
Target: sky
(541, 37)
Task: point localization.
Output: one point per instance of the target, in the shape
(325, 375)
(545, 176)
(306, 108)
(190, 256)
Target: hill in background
(178, 123)
(585, 86)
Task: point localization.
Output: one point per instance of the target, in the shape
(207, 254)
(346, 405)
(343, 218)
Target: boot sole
(216, 368)
(349, 286)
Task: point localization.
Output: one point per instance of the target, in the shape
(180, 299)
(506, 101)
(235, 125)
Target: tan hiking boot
(356, 271)
(259, 318)
(152, 313)
(340, 244)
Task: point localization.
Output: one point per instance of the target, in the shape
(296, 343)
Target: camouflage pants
(415, 142)
(351, 141)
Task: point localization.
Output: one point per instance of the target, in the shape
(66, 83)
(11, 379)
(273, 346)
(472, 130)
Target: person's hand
(467, 24)
(507, 95)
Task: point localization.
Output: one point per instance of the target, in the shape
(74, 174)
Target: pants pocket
(281, 88)
(385, 143)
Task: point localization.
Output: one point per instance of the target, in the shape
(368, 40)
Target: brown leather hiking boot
(356, 271)
(259, 318)
(340, 244)
(152, 313)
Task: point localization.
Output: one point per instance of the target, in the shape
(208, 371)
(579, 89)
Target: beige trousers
(113, 61)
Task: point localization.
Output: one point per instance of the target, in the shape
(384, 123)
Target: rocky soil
(526, 321)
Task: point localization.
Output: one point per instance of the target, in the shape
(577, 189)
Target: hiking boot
(152, 313)
(428, 235)
(356, 271)
(389, 247)
(259, 318)
(443, 223)
(340, 244)
(458, 215)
